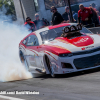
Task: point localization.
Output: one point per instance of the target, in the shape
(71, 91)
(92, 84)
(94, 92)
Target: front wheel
(49, 66)
(52, 72)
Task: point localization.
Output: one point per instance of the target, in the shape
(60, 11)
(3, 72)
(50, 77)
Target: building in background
(28, 8)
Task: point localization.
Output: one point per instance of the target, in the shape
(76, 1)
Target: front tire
(49, 66)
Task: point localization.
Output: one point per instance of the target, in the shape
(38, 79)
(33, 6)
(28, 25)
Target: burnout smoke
(10, 66)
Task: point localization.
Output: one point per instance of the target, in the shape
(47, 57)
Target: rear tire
(50, 68)
(24, 61)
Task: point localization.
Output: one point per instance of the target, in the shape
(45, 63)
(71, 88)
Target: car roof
(61, 25)
(49, 28)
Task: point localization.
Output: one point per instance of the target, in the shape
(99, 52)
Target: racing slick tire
(23, 60)
(49, 66)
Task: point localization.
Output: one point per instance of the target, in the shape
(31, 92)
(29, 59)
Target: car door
(32, 51)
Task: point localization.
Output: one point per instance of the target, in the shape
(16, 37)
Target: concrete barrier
(95, 30)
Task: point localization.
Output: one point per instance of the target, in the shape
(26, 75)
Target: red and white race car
(60, 49)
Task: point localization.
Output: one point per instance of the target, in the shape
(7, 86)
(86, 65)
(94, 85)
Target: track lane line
(9, 98)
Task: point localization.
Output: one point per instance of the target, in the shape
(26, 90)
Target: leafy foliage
(9, 7)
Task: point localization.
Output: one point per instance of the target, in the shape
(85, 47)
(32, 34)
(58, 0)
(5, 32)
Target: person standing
(29, 24)
(56, 17)
(66, 14)
(84, 15)
(93, 5)
(39, 23)
(75, 16)
(95, 16)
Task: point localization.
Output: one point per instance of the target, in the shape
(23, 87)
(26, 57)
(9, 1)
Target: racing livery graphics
(60, 49)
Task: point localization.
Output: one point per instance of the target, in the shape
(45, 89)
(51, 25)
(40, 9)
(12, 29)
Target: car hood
(77, 44)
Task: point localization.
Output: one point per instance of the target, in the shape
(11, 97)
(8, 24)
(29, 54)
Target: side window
(25, 41)
(32, 41)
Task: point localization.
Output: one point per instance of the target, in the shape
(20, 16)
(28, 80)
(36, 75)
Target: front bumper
(79, 62)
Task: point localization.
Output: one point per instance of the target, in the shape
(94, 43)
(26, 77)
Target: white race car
(60, 49)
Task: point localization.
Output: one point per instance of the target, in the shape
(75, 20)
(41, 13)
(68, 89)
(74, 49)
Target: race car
(60, 49)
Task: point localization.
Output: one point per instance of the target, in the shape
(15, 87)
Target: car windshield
(50, 35)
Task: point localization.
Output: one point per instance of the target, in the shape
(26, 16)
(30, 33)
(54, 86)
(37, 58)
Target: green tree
(9, 6)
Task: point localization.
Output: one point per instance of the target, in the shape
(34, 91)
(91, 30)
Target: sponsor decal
(82, 40)
(83, 48)
(89, 47)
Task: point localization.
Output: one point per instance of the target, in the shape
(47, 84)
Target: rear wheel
(49, 65)
(23, 60)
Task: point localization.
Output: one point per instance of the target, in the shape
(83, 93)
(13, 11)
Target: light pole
(71, 15)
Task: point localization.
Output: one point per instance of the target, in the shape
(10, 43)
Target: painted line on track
(9, 98)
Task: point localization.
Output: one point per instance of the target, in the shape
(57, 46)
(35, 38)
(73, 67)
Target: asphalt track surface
(75, 86)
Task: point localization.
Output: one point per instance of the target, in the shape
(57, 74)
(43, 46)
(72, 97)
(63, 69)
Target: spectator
(95, 17)
(56, 18)
(93, 5)
(39, 23)
(66, 14)
(84, 15)
(75, 16)
(29, 24)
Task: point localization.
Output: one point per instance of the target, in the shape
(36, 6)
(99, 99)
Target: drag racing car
(60, 49)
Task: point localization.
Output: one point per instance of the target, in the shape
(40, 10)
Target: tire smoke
(11, 68)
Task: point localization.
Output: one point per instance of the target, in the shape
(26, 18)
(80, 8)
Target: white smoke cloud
(10, 66)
